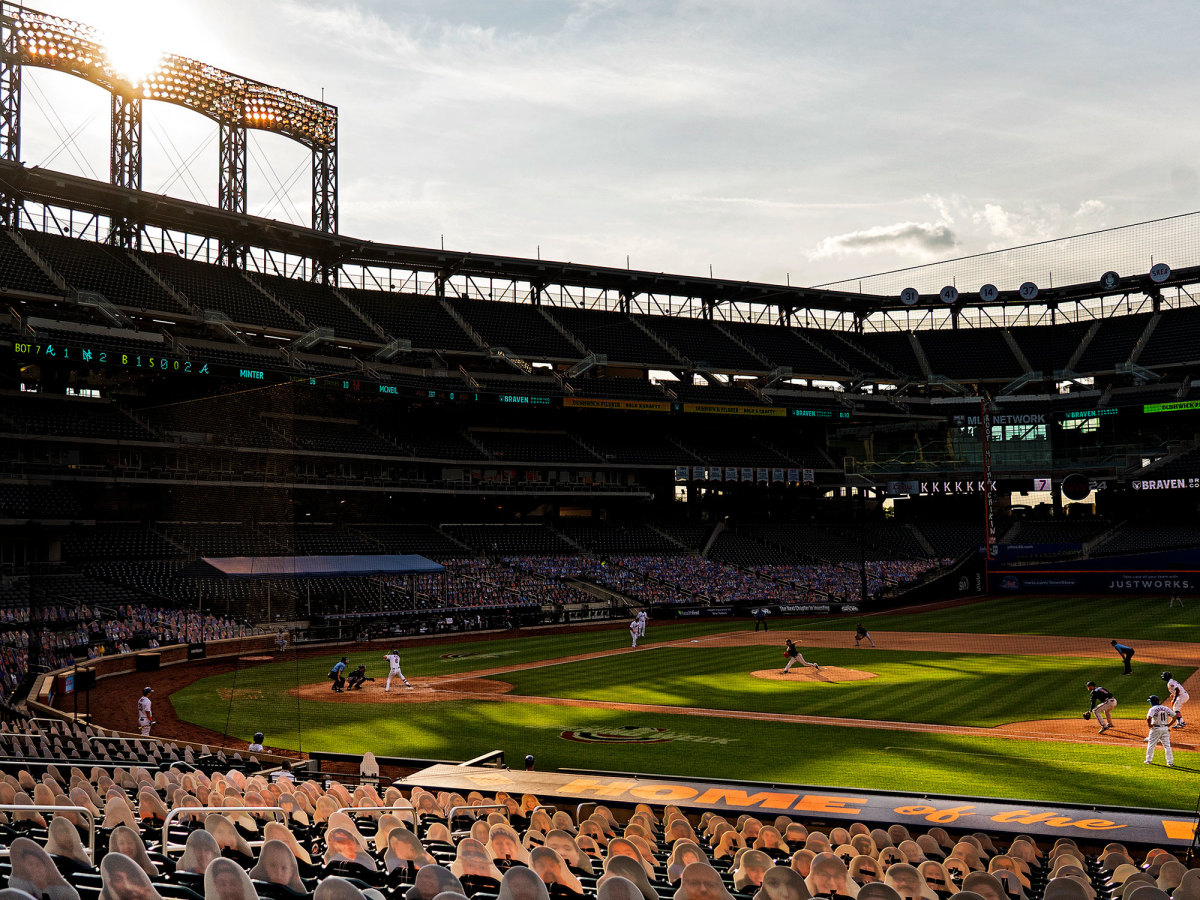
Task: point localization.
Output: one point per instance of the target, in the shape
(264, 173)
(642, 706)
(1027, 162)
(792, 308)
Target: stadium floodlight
(53, 42)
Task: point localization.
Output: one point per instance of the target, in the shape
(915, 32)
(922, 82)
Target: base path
(479, 685)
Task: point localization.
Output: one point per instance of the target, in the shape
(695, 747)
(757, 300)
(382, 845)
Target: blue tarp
(312, 566)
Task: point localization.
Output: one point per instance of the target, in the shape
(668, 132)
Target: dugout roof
(312, 566)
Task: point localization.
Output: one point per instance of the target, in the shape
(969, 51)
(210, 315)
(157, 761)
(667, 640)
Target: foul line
(1048, 645)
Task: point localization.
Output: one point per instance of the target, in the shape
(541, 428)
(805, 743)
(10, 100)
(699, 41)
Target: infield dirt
(112, 708)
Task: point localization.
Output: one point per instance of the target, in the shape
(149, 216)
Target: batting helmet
(258, 737)
(1165, 676)
(1091, 684)
(1153, 699)
(147, 690)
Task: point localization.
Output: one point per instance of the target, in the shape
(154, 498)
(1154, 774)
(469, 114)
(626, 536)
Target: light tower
(32, 38)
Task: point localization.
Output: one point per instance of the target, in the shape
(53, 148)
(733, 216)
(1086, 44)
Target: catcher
(357, 677)
(1103, 703)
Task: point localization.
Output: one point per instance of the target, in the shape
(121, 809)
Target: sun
(131, 54)
(137, 33)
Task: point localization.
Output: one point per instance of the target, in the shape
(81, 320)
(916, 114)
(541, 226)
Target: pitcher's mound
(805, 673)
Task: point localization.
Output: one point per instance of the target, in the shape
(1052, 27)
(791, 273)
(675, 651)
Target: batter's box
(240, 693)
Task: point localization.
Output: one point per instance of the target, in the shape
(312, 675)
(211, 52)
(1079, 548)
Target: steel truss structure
(77, 206)
(32, 38)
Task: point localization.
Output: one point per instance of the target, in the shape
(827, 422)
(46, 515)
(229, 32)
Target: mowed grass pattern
(938, 688)
(944, 687)
(1124, 619)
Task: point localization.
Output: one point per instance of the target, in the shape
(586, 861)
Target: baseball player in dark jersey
(861, 634)
(792, 652)
(357, 677)
(1103, 703)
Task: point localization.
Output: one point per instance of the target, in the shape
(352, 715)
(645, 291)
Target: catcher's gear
(1087, 715)
(1165, 676)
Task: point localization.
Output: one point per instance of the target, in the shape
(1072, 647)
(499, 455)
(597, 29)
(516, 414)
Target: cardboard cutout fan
(200, 849)
(277, 865)
(631, 870)
(782, 883)
(404, 851)
(625, 847)
(34, 872)
(472, 860)
(828, 875)
(63, 841)
(123, 879)
(226, 880)
(906, 881)
(700, 881)
(127, 841)
(752, 866)
(504, 844)
(552, 869)
(432, 881)
(343, 845)
(683, 854)
(227, 836)
(521, 883)
(617, 888)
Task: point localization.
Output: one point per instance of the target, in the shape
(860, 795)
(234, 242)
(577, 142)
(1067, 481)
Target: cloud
(921, 238)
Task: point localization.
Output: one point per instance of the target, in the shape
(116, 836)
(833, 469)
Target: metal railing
(459, 809)
(181, 811)
(88, 815)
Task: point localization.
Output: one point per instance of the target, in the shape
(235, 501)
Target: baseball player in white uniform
(1178, 697)
(144, 712)
(641, 623)
(393, 661)
(633, 631)
(1159, 719)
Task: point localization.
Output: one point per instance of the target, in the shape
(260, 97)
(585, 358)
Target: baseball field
(983, 699)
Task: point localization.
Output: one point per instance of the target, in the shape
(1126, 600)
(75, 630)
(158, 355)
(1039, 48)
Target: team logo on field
(470, 655)
(636, 734)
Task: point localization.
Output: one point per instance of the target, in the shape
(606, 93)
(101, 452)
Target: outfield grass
(941, 687)
(757, 751)
(1125, 619)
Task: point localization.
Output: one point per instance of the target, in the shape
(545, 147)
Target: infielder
(144, 713)
(793, 654)
(1159, 720)
(1103, 703)
(861, 633)
(1178, 697)
(633, 631)
(393, 661)
(641, 620)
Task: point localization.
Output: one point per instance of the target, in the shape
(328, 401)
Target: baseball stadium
(333, 568)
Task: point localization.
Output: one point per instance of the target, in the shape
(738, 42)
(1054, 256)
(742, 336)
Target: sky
(764, 140)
